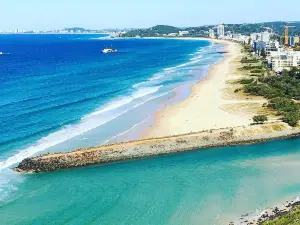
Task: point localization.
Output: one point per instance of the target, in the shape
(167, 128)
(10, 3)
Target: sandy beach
(214, 115)
(212, 103)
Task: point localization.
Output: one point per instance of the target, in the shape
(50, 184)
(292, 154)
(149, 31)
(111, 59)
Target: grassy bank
(289, 218)
(281, 91)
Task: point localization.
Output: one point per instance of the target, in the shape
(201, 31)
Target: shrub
(247, 60)
(259, 119)
(281, 90)
(291, 118)
(246, 81)
(256, 71)
(284, 105)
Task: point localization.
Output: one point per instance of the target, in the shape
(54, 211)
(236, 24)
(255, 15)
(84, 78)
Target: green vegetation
(255, 67)
(297, 47)
(277, 27)
(158, 30)
(249, 60)
(260, 119)
(246, 81)
(256, 71)
(248, 48)
(282, 91)
(290, 218)
(251, 67)
(202, 31)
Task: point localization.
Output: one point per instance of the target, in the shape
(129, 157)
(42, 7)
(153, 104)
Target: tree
(260, 119)
(291, 118)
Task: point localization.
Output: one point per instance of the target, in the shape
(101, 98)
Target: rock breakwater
(157, 146)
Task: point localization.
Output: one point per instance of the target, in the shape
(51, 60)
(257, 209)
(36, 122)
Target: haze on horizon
(57, 14)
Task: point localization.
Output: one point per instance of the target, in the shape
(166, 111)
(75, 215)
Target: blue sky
(57, 14)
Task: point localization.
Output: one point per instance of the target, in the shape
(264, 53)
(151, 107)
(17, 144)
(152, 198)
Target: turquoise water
(59, 93)
(212, 186)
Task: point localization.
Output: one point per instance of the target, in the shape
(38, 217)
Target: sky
(98, 14)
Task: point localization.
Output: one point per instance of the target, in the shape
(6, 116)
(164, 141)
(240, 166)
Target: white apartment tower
(221, 30)
(211, 33)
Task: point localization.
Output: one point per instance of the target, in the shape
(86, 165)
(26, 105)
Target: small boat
(1, 53)
(109, 50)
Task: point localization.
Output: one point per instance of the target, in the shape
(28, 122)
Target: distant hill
(202, 31)
(158, 30)
(277, 27)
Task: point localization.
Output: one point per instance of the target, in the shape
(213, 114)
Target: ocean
(59, 93)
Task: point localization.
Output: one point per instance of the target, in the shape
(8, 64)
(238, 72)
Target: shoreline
(158, 146)
(179, 93)
(268, 214)
(208, 117)
(203, 109)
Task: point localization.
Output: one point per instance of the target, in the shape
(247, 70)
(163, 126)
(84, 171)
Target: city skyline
(125, 29)
(35, 15)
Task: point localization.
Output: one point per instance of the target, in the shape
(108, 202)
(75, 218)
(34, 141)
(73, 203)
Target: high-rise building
(265, 36)
(221, 30)
(211, 33)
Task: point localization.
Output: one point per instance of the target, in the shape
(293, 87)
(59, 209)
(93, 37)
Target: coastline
(181, 92)
(213, 115)
(206, 107)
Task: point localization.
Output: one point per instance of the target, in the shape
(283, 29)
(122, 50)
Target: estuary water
(213, 186)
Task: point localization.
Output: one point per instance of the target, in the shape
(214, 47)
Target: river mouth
(214, 186)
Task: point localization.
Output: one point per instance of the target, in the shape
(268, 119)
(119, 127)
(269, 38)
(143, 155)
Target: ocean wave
(8, 184)
(138, 84)
(156, 77)
(200, 56)
(136, 125)
(107, 112)
(86, 124)
(37, 133)
(124, 100)
(24, 113)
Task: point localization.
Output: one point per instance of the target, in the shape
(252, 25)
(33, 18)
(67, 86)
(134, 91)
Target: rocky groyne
(158, 146)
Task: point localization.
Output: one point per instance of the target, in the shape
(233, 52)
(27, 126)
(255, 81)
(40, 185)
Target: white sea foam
(199, 56)
(136, 125)
(8, 183)
(156, 77)
(102, 115)
(124, 100)
(138, 84)
(86, 124)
